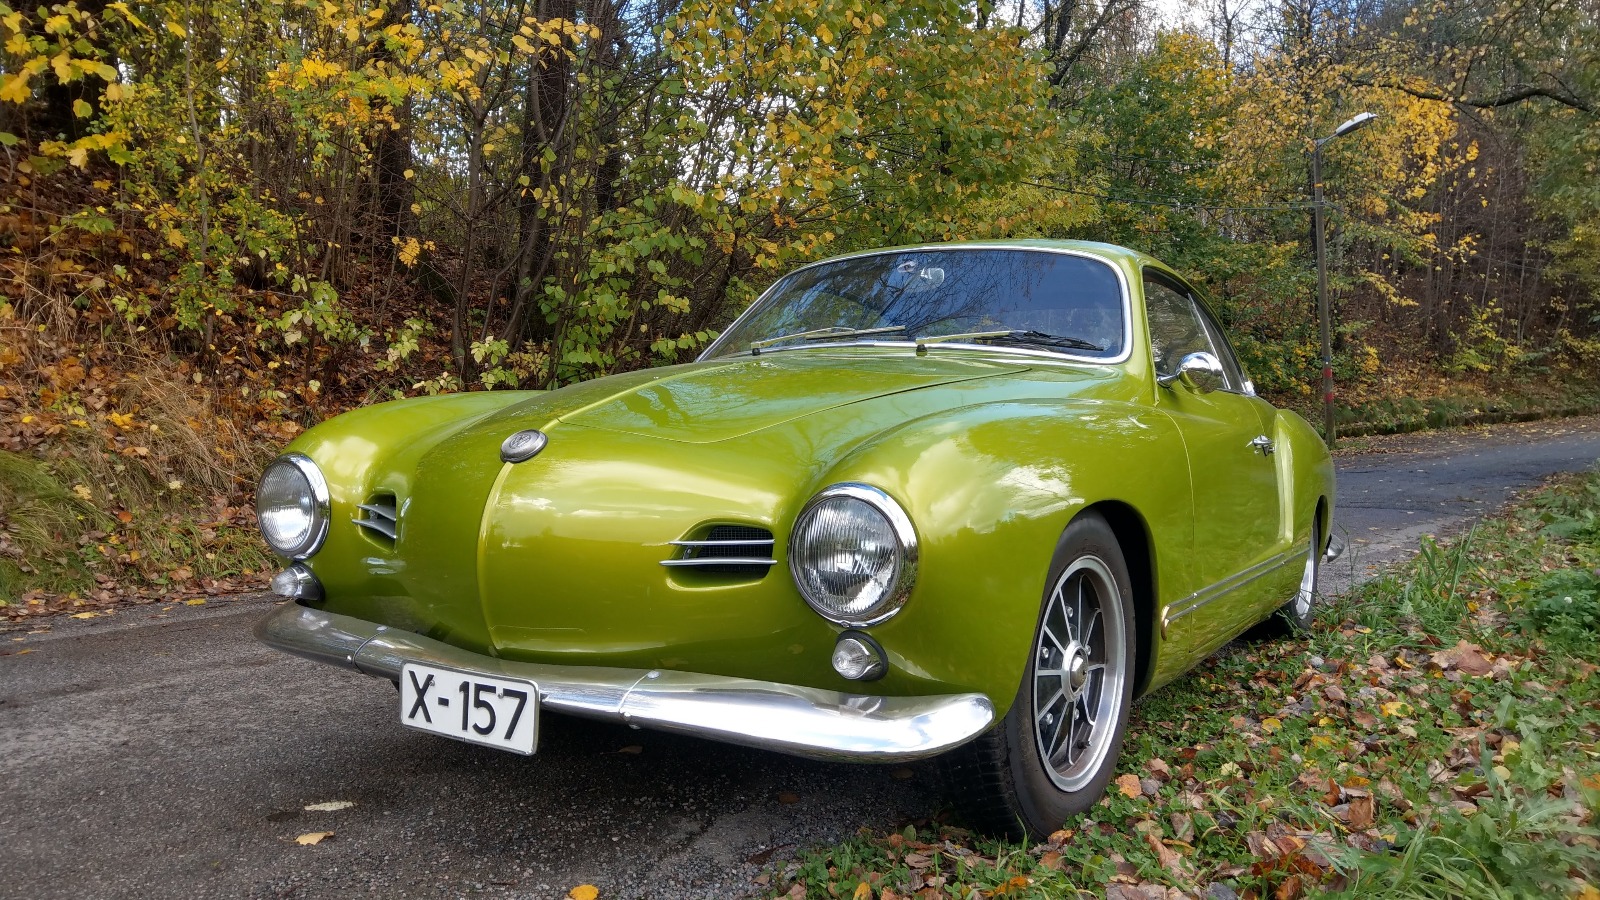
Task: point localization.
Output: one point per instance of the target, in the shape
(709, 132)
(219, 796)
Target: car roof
(1133, 259)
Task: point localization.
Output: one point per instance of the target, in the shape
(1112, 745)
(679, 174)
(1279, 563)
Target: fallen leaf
(1165, 855)
(788, 797)
(83, 615)
(863, 891)
(313, 837)
(1465, 657)
(900, 774)
(1361, 813)
(632, 749)
(1051, 860)
(199, 601)
(584, 892)
(1271, 724)
(1129, 785)
(330, 806)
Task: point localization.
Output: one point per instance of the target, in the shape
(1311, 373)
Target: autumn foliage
(281, 209)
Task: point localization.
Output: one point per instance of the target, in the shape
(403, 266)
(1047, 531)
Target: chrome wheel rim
(1080, 666)
(1307, 593)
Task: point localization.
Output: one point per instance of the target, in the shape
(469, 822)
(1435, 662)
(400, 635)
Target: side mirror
(1200, 372)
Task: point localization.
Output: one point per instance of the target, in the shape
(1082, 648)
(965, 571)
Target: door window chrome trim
(1122, 280)
(1209, 321)
(1172, 612)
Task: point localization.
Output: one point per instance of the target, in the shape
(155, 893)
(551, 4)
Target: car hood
(718, 401)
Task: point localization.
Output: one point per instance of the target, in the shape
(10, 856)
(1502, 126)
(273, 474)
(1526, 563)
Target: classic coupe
(960, 500)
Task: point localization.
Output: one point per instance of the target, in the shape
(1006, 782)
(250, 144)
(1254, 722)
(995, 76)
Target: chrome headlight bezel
(905, 535)
(321, 506)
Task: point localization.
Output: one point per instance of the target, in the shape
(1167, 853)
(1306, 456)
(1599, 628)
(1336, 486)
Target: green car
(963, 501)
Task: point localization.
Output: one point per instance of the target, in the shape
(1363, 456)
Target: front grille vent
(380, 517)
(738, 550)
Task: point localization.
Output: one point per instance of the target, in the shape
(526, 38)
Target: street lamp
(1323, 315)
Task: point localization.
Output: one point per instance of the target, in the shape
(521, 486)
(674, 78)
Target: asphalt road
(163, 753)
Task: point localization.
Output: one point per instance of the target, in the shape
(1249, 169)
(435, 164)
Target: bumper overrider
(800, 721)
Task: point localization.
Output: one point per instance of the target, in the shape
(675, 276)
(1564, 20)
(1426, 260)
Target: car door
(1227, 436)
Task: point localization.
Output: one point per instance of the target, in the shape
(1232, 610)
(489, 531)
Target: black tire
(1297, 614)
(1007, 783)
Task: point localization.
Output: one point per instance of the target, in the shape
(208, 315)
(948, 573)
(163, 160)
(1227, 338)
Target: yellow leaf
(312, 837)
(1129, 785)
(113, 92)
(82, 109)
(83, 615)
(182, 32)
(1271, 724)
(824, 33)
(83, 493)
(584, 892)
(14, 88)
(1396, 708)
(195, 602)
(863, 891)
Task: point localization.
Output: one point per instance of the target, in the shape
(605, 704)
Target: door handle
(1264, 444)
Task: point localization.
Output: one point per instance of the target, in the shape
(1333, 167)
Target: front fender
(989, 490)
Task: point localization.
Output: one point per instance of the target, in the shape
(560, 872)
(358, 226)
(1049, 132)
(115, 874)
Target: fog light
(297, 583)
(858, 657)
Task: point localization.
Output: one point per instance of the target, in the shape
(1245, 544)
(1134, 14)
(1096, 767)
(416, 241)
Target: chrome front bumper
(801, 721)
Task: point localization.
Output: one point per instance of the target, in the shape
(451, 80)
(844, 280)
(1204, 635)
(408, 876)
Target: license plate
(471, 706)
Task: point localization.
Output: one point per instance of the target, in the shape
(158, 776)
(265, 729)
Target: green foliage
(1565, 606)
(1515, 845)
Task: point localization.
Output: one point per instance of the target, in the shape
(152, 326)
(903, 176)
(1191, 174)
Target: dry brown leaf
(632, 750)
(1051, 860)
(1166, 856)
(313, 837)
(1129, 785)
(788, 797)
(1361, 813)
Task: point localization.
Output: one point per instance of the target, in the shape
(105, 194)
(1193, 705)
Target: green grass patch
(1436, 735)
(69, 540)
(41, 525)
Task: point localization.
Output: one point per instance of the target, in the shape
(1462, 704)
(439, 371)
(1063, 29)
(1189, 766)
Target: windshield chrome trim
(1122, 280)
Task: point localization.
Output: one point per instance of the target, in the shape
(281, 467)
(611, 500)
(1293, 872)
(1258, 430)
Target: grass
(1471, 405)
(1436, 735)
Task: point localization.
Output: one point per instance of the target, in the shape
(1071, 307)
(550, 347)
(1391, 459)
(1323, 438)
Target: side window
(1179, 327)
(1230, 363)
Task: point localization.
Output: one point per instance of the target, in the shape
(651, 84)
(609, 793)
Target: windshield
(1040, 299)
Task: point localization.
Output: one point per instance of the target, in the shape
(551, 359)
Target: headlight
(853, 554)
(292, 506)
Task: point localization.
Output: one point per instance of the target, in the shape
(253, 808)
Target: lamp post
(1317, 240)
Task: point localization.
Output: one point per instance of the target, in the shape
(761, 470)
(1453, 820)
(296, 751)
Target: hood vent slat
(739, 550)
(382, 517)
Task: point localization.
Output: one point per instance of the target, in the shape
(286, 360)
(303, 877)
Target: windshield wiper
(817, 334)
(1036, 338)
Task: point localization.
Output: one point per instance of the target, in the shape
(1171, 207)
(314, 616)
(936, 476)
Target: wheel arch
(1133, 537)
